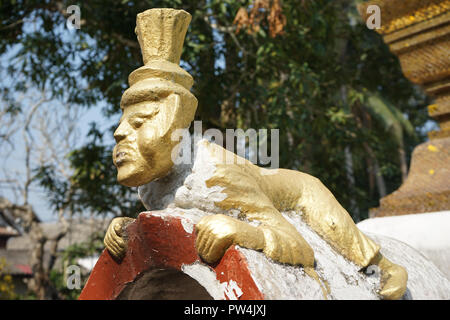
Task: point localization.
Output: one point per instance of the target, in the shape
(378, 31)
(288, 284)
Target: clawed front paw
(215, 234)
(287, 246)
(114, 240)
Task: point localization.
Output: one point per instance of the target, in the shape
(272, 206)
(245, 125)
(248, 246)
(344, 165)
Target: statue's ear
(170, 119)
(175, 106)
(183, 110)
(177, 100)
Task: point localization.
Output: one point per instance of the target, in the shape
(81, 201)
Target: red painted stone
(162, 242)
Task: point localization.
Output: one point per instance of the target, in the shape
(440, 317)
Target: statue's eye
(136, 122)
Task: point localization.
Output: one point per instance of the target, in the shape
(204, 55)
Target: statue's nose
(121, 132)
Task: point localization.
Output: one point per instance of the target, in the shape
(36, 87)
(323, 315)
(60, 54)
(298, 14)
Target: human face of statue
(144, 145)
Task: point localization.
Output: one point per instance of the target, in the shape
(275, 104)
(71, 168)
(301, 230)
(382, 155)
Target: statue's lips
(123, 154)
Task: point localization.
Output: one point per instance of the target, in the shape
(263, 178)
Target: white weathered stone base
(345, 280)
(428, 233)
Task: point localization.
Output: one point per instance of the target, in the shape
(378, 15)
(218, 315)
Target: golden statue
(159, 102)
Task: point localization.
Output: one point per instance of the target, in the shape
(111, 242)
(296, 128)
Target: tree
(38, 136)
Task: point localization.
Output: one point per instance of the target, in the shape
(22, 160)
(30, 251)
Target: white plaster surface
(207, 278)
(429, 233)
(88, 262)
(345, 280)
(185, 187)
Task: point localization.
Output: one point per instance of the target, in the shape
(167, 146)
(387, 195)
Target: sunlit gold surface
(161, 33)
(260, 194)
(157, 103)
(115, 239)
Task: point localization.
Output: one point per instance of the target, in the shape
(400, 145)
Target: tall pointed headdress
(161, 34)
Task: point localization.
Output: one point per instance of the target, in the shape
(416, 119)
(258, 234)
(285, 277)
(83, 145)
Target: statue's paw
(393, 282)
(114, 240)
(215, 234)
(288, 247)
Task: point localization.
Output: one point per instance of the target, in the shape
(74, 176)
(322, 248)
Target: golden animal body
(159, 102)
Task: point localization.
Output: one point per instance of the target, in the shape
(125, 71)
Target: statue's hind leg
(323, 213)
(393, 278)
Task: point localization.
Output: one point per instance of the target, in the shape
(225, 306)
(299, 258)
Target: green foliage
(389, 117)
(315, 82)
(58, 280)
(92, 247)
(6, 283)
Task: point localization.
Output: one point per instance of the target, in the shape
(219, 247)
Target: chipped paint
(232, 290)
(188, 226)
(207, 278)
